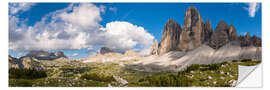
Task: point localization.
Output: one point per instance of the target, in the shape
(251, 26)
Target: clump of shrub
(97, 77)
(204, 67)
(192, 67)
(166, 80)
(214, 66)
(246, 60)
(26, 73)
(234, 61)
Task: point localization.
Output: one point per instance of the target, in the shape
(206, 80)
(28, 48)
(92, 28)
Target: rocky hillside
(107, 55)
(43, 55)
(33, 59)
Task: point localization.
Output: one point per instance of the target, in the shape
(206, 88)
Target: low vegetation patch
(97, 77)
(26, 73)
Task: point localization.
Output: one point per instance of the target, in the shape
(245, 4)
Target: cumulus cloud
(252, 8)
(125, 36)
(85, 15)
(77, 27)
(17, 7)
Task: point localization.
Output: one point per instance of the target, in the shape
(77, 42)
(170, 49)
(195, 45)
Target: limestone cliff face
(170, 37)
(233, 36)
(192, 35)
(207, 30)
(154, 48)
(220, 36)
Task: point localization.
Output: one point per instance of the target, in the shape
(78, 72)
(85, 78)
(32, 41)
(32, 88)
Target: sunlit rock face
(170, 37)
(154, 48)
(192, 35)
(233, 36)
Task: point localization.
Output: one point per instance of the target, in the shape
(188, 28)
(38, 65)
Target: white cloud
(75, 54)
(124, 35)
(114, 9)
(77, 27)
(252, 8)
(86, 15)
(17, 7)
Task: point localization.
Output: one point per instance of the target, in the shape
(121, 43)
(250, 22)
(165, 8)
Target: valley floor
(76, 74)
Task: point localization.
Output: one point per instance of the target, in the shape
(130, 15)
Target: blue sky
(151, 16)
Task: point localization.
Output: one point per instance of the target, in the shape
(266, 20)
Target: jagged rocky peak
(247, 40)
(170, 37)
(192, 35)
(256, 41)
(38, 53)
(233, 36)
(44, 55)
(247, 35)
(105, 50)
(220, 36)
(154, 48)
(192, 17)
(59, 54)
(207, 30)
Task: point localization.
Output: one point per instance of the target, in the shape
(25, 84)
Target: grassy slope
(100, 75)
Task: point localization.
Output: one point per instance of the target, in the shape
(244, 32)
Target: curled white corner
(249, 76)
